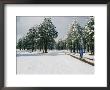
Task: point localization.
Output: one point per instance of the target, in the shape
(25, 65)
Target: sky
(62, 24)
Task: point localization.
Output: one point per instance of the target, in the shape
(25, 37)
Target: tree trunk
(32, 49)
(40, 48)
(24, 48)
(88, 48)
(77, 48)
(74, 48)
(45, 47)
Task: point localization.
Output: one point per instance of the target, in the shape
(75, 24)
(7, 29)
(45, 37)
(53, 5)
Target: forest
(42, 37)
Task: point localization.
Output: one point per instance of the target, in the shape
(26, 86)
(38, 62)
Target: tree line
(79, 38)
(39, 37)
(43, 36)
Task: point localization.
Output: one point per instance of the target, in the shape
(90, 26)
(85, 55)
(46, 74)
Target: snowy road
(54, 62)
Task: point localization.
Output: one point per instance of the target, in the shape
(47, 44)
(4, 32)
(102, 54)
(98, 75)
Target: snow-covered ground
(53, 62)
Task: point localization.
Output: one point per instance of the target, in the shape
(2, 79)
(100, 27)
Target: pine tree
(47, 33)
(74, 40)
(31, 37)
(19, 44)
(89, 35)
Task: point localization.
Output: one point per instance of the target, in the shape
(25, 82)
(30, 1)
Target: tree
(89, 35)
(61, 44)
(19, 44)
(74, 40)
(40, 37)
(81, 38)
(31, 38)
(47, 33)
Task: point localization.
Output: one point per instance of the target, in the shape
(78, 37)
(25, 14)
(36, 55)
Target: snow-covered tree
(74, 41)
(19, 44)
(31, 36)
(89, 35)
(61, 44)
(47, 33)
(81, 37)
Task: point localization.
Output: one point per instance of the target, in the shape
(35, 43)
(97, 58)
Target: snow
(53, 62)
(86, 56)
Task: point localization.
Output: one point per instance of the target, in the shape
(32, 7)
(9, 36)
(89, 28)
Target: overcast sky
(62, 23)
